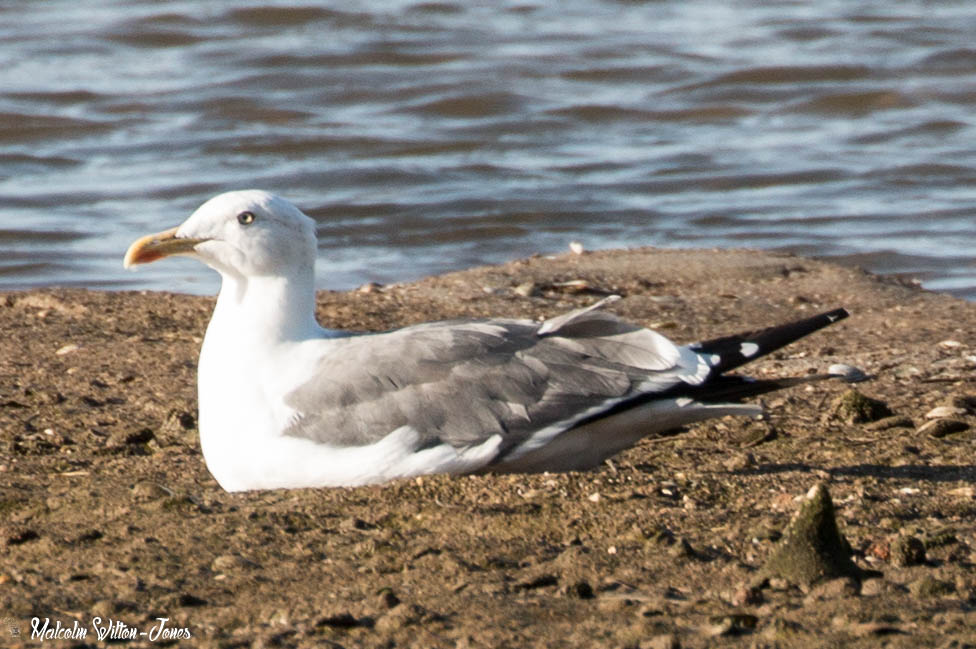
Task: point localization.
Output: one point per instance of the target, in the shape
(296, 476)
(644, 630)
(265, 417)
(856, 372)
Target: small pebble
(869, 629)
(581, 590)
(963, 492)
(778, 583)
(573, 285)
(576, 247)
(668, 641)
(873, 588)
(838, 588)
(930, 587)
(189, 599)
(227, 563)
(387, 599)
(141, 436)
(343, 620)
(614, 604)
(370, 287)
(739, 462)
(895, 421)
(18, 536)
(879, 551)
(682, 549)
(146, 490)
(732, 624)
(747, 596)
(103, 608)
(401, 616)
(526, 289)
(965, 401)
(907, 551)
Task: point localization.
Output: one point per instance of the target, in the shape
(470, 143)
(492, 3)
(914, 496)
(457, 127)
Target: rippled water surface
(427, 136)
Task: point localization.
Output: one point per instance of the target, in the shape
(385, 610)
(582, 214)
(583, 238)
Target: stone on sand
(812, 548)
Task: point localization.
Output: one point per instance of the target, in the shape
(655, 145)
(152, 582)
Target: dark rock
(895, 421)
(812, 548)
(941, 537)
(930, 587)
(682, 549)
(907, 551)
(732, 624)
(942, 427)
(747, 595)
(141, 436)
(580, 590)
(359, 524)
(387, 598)
(540, 581)
(965, 401)
(186, 599)
(21, 536)
(854, 407)
(871, 629)
(180, 420)
(89, 536)
(344, 620)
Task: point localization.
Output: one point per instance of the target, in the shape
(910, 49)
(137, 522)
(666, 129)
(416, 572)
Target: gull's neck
(266, 310)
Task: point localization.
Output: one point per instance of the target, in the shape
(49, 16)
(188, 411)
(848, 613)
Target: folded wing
(462, 382)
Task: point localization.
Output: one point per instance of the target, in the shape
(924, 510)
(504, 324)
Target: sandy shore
(108, 510)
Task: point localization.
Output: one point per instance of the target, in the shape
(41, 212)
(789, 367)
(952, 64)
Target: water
(428, 136)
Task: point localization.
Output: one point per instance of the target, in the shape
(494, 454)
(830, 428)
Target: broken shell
(944, 411)
(849, 373)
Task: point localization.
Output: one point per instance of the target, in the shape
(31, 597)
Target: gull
(286, 403)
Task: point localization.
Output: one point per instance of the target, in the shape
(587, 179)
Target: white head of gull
(285, 403)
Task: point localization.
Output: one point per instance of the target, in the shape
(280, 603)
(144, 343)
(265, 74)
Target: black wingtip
(730, 352)
(835, 315)
(737, 388)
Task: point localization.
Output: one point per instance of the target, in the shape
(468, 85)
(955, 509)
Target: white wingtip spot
(748, 349)
(714, 360)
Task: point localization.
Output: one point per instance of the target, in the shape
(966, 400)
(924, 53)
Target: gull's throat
(266, 310)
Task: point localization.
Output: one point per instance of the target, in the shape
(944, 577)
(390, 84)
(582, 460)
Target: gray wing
(462, 382)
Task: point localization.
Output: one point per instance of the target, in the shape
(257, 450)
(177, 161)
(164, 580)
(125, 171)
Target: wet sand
(108, 510)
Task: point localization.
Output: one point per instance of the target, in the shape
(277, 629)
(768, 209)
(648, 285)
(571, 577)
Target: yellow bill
(153, 247)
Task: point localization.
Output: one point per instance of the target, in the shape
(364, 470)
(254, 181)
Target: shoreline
(109, 510)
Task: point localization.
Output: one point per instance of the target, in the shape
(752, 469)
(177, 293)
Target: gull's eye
(245, 218)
